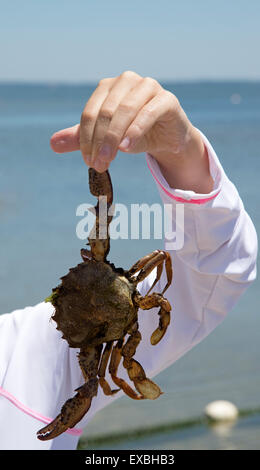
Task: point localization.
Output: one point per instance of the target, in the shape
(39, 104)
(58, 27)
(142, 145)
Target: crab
(96, 307)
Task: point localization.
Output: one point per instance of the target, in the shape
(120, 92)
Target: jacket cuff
(190, 197)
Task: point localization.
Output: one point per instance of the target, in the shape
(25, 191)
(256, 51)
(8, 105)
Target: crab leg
(100, 186)
(102, 370)
(113, 366)
(158, 276)
(145, 386)
(156, 300)
(75, 408)
(145, 265)
(142, 262)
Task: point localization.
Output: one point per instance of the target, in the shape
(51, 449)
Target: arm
(218, 259)
(213, 269)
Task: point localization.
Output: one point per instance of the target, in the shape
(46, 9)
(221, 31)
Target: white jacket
(38, 370)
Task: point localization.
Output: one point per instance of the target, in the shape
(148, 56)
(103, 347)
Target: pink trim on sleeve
(34, 414)
(180, 199)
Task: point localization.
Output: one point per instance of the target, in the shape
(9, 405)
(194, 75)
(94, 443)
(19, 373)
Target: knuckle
(172, 98)
(126, 108)
(86, 118)
(104, 82)
(147, 112)
(136, 130)
(151, 82)
(107, 112)
(105, 115)
(129, 74)
(147, 115)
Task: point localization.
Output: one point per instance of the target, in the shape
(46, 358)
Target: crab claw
(71, 413)
(100, 184)
(148, 388)
(145, 386)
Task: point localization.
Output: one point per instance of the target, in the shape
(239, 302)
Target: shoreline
(201, 423)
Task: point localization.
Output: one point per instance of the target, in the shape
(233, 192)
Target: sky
(86, 40)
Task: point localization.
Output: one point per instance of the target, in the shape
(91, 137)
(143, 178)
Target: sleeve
(213, 265)
(37, 373)
(217, 260)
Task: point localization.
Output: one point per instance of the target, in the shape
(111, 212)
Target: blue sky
(83, 40)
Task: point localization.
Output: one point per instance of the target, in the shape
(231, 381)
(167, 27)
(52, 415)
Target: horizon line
(94, 82)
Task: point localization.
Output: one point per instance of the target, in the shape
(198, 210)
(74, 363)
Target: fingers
(106, 113)
(89, 117)
(125, 113)
(119, 115)
(138, 137)
(79, 136)
(97, 116)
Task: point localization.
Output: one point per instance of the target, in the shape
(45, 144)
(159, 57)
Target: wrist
(187, 169)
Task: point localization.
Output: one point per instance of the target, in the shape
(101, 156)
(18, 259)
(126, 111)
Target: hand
(135, 114)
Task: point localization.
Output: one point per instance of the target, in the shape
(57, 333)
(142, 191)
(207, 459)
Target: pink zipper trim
(34, 414)
(181, 199)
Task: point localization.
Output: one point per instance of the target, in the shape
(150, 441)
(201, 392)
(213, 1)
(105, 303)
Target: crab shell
(94, 304)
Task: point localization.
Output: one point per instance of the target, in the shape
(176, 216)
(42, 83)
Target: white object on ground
(221, 410)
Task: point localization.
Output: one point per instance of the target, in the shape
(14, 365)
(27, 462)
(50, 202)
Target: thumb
(66, 140)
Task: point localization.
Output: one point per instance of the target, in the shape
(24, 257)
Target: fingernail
(125, 143)
(58, 142)
(105, 152)
(57, 145)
